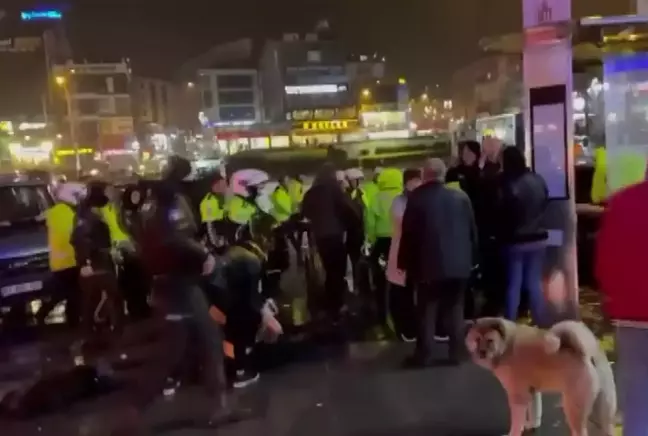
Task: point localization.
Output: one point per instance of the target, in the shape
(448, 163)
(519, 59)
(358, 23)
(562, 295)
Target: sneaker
(441, 338)
(245, 378)
(407, 339)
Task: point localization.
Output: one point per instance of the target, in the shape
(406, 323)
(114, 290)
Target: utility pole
(63, 82)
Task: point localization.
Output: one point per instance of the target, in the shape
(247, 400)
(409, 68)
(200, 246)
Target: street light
(424, 96)
(63, 83)
(366, 93)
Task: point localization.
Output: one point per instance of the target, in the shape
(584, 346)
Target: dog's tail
(577, 338)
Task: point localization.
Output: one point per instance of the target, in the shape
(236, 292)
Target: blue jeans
(525, 263)
(632, 378)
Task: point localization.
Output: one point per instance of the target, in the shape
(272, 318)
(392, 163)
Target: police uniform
(63, 284)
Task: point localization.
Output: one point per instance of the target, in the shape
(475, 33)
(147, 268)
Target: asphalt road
(353, 387)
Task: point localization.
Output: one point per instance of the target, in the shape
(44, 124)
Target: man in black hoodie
(331, 213)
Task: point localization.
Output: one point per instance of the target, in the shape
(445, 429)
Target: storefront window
(260, 143)
(314, 140)
(280, 141)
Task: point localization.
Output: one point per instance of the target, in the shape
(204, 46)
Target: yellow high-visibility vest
(109, 214)
(60, 224)
(210, 209)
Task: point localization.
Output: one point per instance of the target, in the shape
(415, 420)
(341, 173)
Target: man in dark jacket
(437, 251)
(94, 255)
(176, 260)
(487, 214)
(331, 213)
(467, 172)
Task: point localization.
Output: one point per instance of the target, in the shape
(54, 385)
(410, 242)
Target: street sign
(545, 12)
(41, 15)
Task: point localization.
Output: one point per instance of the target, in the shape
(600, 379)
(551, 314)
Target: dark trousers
(241, 330)
(185, 329)
(63, 286)
(380, 250)
(435, 301)
(331, 250)
(136, 286)
(493, 277)
(353, 244)
(242, 311)
(101, 302)
(403, 310)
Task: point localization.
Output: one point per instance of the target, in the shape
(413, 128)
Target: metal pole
(72, 122)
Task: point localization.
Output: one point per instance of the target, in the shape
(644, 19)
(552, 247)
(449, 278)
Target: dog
(565, 359)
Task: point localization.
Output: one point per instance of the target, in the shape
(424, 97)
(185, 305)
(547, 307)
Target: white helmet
(248, 177)
(70, 192)
(340, 175)
(354, 174)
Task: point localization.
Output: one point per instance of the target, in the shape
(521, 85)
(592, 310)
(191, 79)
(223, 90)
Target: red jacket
(622, 254)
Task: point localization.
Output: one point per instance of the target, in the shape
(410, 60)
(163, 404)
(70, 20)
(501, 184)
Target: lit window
(314, 56)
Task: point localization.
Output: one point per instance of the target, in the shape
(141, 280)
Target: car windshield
(23, 203)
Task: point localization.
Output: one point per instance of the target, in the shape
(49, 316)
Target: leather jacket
(91, 240)
(170, 234)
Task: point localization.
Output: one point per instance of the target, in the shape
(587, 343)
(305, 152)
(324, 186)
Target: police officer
(176, 260)
(379, 231)
(296, 191)
(242, 207)
(213, 214)
(249, 314)
(65, 272)
(92, 242)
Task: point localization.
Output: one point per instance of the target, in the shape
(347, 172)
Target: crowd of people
(438, 242)
(419, 243)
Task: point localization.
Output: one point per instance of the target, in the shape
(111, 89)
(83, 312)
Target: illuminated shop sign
(6, 127)
(42, 15)
(315, 89)
(327, 125)
(72, 152)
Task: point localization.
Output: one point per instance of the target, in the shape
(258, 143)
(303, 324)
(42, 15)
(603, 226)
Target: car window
(21, 203)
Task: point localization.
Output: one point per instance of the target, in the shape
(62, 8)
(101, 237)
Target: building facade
(305, 84)
(30, 48)
(230, 96)
(95, 104)
(152, 101)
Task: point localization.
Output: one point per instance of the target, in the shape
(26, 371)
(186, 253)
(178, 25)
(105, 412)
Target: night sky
(424, 40)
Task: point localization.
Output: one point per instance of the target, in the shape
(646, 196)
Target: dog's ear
(500, 325)
(471, 340)
(551, 343)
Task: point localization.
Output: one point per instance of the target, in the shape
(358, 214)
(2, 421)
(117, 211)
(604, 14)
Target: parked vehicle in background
(24, 255)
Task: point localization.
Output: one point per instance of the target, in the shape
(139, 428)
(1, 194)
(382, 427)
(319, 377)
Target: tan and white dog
(565, 359)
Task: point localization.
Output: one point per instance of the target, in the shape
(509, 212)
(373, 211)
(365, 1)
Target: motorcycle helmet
(354, 174)
(70, 192)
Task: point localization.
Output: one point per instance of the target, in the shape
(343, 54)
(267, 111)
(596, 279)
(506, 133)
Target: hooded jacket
(379, 218)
